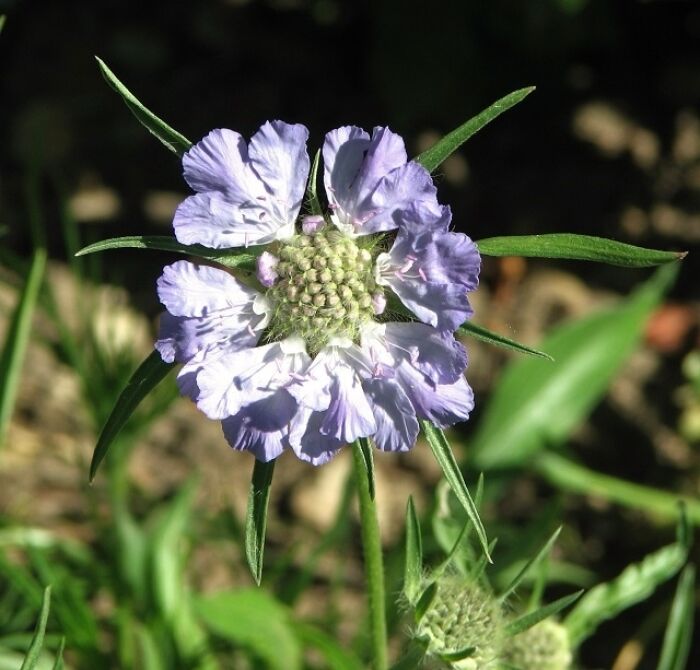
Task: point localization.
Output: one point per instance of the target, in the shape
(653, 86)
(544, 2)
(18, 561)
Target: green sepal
(529, 620)
(176, 142)
(146, 377)
(425, 601)
(256, 516)
(312, 200)
(443, 454)
(577, 247)
(367, 458)
(431, 158)
(458, 655)
(413, 566)
(480, 333)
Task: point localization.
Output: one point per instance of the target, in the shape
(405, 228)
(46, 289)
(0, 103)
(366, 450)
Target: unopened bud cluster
(463, 616)
(545, 646)
(325, 287)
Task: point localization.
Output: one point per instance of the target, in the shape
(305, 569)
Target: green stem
(570, 476)
(372, 550)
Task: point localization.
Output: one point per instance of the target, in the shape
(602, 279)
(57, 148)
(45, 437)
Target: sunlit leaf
(577, 247)
(480, 333)
(17, 338)
(256, 516)
(529, 620)
(176, 142)
(538, 403)
(237, 257)
(635, 584)
(433, 157)
(32, 658)
(443, 455)
(413, 566)
(253, 619)
(679, 630)
(148, 375)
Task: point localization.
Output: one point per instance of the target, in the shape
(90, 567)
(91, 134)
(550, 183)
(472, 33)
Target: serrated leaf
(238, 257)
(34, 651)
(541, 554)
(17, 338)
(537, 404)
(367, 458)
(577, 247)
(433, 157)
(253, 619)
(480, 333)
(425, 601)
(445, 458)
(256, 516)
(678, 636)
(413, 567)
(529, 620)
(634, 584)
(176, 142)
(147, 376)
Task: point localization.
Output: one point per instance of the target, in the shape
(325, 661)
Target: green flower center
(325, 288)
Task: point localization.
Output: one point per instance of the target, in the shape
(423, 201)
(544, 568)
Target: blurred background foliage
(146, 565)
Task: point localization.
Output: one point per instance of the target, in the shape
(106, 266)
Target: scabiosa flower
(309, 354)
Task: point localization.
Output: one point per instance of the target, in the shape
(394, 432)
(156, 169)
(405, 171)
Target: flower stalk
(372, 552)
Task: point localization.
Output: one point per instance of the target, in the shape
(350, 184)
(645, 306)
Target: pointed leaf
(634, 584)
(529, 620)
(577, 247)
(433, 157)
(256, 516)
(443, 454)
(148, 375)
(537, 404)
(413, 567)
(679, 631)
(541, 554)
(480, 333)
(311, 189)
(58, 663)
(425, 601)
(368, 459)
(238, 257)
(34, 651)
(176, 142)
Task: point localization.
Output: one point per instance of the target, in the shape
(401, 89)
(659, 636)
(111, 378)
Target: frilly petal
(397, 427)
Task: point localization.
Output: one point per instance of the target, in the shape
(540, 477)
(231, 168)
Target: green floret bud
(323, 288)
(545, 646)
(461, 616)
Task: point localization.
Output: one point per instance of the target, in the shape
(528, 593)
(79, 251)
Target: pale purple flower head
(310, 356)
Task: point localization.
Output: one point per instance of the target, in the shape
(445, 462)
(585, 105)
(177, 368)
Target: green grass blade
(529, 620)
(176, 142)
(58, 663)
(679, 631)
(147, 376)
(634, 584)
(232, 258)
(541, 554)
(17, 338)
(567, 475)
(431, 158)
(445, 458)
(577, 247)
(536, 404)
(480, 333)
(256, 516)
(413, 567)
(32, 657)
